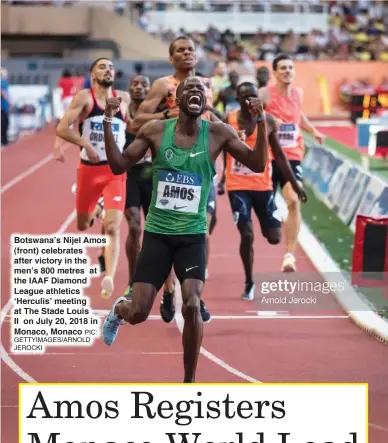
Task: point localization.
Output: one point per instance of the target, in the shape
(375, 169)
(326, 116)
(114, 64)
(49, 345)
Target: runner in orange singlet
(160, 104)
(94, 175)
(285, 103)
(248, 190)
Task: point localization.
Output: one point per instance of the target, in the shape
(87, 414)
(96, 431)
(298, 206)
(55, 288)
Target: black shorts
(159, 252)
(278, 178)
(262, 202)
(139, 187)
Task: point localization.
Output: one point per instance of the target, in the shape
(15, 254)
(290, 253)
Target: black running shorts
(139, 187)
(187, 253)
(277, 175)
(262, 202)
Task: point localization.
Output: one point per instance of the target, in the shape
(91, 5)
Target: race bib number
(288, 135)
(94, 131)
(179, 191)
(240, 169)
(97, 133)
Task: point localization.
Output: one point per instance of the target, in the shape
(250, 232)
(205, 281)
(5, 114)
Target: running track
(37, 199)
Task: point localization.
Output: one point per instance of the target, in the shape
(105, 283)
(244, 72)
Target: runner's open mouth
(194, 102)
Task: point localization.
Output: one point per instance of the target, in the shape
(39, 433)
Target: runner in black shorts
(184, 152)
(139, 181)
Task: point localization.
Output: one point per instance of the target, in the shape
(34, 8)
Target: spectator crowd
(357, 31)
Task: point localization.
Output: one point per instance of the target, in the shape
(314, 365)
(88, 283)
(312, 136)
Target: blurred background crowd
(356, 31)
(231, 36)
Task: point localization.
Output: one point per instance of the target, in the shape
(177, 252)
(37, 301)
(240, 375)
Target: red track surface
(268, 350)
(342, 134)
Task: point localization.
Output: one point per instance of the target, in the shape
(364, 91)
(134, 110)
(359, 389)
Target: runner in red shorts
(94, 177)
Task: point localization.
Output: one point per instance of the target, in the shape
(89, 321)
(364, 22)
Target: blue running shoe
(111, 325)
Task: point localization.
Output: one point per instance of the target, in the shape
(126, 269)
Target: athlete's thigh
(89, 188)
(241, 205)
(145, 195)
(266, 211)
(190, 257)
(114, 191)
(155, 260)
(290, 196)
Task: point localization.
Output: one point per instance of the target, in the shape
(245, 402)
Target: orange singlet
(289, 111)
(239, 177)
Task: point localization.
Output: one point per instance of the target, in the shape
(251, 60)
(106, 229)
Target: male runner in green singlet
(160, 104)
(184, 151)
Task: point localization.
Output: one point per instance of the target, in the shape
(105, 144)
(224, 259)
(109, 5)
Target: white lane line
(28, 172)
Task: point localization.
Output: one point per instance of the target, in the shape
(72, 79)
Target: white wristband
(107, 119)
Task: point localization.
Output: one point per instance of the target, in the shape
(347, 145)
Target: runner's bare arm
(146, 110)
(77, 106)
(119, 162)
(221, 183)
(125, 101)
(307, 126)
(264, 95)
(255, 159)
(281, 159)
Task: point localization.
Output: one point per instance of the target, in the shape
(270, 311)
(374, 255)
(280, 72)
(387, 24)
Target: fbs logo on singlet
(170, 177)
(179, 191)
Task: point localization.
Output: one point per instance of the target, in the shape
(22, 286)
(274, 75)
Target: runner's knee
(133, 218)
(140, 310)
(190, 307)
(246, 233)
(138, 316)
(134, 228)
(273, 236)
(111, 228)
(82, 226)
(191, 292)
(291, 198)
(293, 204)
(83, 223)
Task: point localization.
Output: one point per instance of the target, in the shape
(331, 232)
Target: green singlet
(181, 182)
